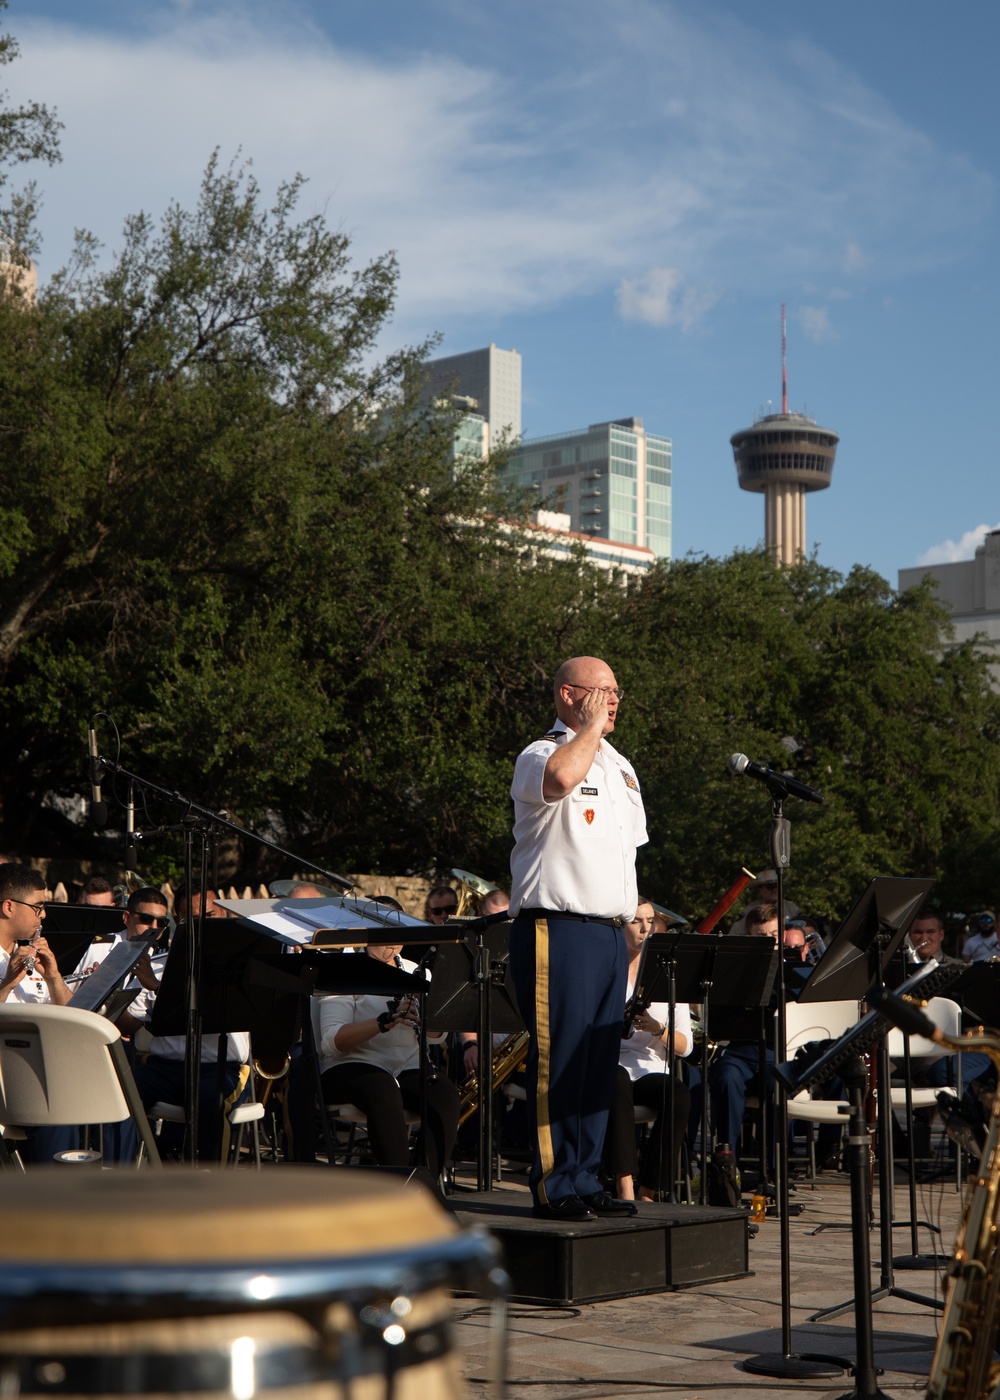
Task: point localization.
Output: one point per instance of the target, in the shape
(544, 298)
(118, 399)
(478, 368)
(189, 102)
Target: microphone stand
(204, 820)
(805, 1364)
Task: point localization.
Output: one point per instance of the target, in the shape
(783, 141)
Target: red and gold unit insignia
(588, 815)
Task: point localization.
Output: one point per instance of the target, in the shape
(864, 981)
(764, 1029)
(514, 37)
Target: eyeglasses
(157, 920)
(615, 690)
(443, 909)
(37, 909)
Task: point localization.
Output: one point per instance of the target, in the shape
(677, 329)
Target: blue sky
(624, 191)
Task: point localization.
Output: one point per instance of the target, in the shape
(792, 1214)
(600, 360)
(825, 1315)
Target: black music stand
(471, 990)
(235, 989)
(978, 992)
(844, 1057)
(94, 991)
(71, 928)
(93, 920)
(896, 974)
(717, 971)
(855, 963)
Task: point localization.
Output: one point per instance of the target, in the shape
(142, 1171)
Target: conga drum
(297, 1283)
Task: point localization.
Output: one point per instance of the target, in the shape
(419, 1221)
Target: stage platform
(691, 1343)
(663, 1248)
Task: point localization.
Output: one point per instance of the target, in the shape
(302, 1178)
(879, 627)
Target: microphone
(778, 784)
(98, 809)
(131, 857)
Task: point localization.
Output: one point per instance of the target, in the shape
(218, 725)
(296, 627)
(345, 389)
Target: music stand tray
(740, 969)
(854, 961)
(453, 996)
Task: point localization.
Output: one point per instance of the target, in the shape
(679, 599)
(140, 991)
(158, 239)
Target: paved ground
(693, 1343)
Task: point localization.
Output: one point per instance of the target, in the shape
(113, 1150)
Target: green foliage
(230, 523)
(27, 133)
(837, 680)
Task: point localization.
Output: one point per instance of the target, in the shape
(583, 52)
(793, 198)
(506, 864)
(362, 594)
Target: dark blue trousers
(570, 977)
(732, 1077)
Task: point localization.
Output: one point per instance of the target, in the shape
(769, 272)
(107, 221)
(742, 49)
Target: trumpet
(508, 1057)
(474, 887)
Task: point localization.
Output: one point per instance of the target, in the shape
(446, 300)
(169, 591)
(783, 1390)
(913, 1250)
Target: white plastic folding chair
(63, 1067)
(947, 1016)
(817, 1020)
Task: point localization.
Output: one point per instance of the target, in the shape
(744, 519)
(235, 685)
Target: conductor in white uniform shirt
(578, 818)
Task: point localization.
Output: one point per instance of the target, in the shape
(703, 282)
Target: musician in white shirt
(642, 1080)
(370, 1057)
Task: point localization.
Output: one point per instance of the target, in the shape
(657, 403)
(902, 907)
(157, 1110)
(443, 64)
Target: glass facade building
(492, 377)
(612, 479)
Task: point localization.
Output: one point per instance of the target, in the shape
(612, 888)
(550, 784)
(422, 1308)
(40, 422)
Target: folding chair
(64, 1067)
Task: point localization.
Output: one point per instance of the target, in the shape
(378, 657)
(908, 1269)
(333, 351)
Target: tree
(27, 133)
(224, 520)
(838, 680)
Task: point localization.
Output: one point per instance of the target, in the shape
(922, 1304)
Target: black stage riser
(662, 1249)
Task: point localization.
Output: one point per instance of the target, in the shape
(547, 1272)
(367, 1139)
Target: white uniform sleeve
(334, 1012)
(529, 771)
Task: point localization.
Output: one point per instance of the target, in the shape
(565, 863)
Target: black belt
(568, 914)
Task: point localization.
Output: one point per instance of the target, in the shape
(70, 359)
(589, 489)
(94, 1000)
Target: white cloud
(662, 297)
(855, 258)
(504, 178)
(815, 323)
(951, 551)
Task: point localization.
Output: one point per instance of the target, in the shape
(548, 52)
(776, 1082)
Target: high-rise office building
(784, 455)
(611, 479)
(492, 377)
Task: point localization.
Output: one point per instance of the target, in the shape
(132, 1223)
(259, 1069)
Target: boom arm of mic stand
(207, 815)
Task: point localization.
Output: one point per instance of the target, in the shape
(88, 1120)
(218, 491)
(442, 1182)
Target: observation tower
(784, 455)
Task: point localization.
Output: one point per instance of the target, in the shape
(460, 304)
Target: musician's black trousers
(620, 1154)
(382, 1100)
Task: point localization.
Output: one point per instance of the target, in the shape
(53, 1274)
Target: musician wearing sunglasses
(28, 968)
(144, 917)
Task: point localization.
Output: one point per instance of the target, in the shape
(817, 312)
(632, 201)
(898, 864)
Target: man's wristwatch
(384, 1021)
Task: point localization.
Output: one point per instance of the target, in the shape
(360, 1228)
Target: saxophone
(963, 1367)
(508, 1057)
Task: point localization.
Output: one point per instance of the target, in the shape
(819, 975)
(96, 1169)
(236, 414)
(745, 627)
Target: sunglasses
(155, 920)
(443, 909)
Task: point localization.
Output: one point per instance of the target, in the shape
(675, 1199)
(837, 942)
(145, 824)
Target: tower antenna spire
(784, 456)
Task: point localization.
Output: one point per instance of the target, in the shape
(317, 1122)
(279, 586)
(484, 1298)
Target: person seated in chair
(370, 1057)
(733, 1074)
(29, 974)
(28, 968)
(159, 1068)
(642, 1080)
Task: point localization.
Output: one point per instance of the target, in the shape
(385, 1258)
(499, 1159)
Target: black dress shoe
(566, 1208)
(603, 1204)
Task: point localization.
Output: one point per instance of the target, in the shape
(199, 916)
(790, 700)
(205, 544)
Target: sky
(625, 191)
